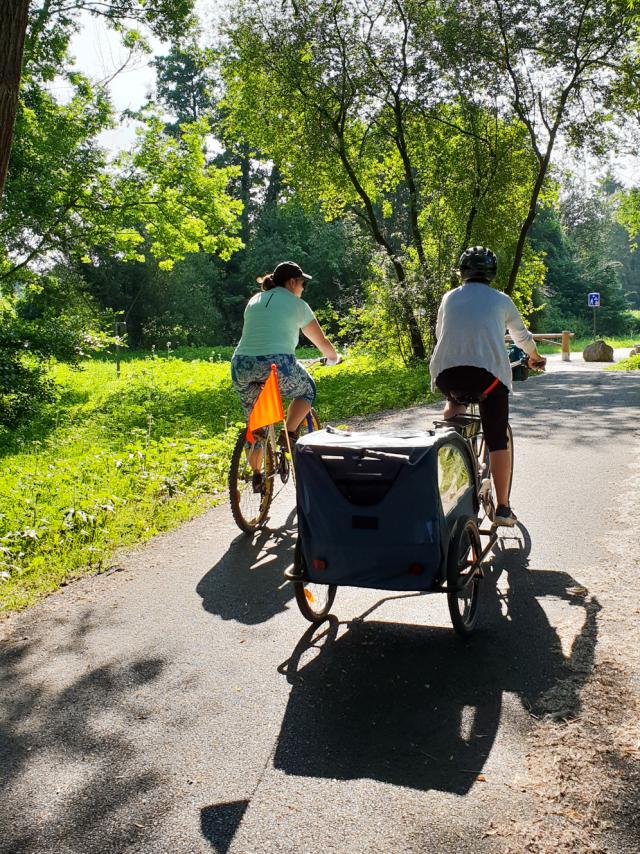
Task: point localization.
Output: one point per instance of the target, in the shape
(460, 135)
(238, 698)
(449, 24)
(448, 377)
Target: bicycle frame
(250, 506)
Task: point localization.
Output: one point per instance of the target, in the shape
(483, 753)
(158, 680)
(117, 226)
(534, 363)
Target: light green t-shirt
(272, 323)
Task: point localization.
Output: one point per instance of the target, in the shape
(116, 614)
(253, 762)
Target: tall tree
(559, 68)
(39, 37)
(184, 81)
(349, 100)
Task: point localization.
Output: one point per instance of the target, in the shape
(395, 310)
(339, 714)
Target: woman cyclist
(470, 360)
(273, 320)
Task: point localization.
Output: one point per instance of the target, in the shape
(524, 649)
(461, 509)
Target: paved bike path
(181, 705)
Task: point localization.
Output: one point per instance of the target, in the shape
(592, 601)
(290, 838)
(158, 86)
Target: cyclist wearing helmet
(470, 357)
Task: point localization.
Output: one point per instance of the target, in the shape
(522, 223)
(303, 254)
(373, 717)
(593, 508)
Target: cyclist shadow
(413, 705)
(247, 585)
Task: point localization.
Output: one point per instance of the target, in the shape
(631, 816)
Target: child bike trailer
(390, 512)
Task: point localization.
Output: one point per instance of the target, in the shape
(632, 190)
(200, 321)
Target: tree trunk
(13, 26)
(369, 216)
(245, 193)
(531, 214)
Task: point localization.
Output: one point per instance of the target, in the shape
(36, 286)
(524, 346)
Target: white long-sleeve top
(470, 330)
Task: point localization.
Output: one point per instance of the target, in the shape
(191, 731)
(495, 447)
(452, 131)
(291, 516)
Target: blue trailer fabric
(369, 510)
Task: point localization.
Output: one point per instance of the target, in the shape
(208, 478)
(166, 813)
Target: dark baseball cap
(288, 270)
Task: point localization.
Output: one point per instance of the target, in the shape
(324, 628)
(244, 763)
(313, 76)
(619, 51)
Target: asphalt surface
(182, 704)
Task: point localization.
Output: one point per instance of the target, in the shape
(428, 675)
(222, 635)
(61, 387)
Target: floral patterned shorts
(249, 373)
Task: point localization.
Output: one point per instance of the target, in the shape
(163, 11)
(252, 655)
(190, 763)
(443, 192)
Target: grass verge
(632, 363)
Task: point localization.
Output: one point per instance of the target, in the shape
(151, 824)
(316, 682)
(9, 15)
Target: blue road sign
(593, 300)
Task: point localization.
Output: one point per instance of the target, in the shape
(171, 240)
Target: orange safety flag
(268, 407)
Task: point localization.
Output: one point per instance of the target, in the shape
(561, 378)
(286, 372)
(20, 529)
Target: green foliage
(629, 211)
(185, 83)
(365, 127)
(52, 320)
(115, 461)
(168, 191)
(366, 383)
(632, 363)
(582, 253)
(65, 204)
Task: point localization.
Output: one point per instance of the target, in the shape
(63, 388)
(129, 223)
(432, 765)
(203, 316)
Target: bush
(632, 322)
(52, 319)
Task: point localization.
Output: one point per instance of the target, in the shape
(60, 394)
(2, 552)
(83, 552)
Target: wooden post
(117, 339)
(566, 346)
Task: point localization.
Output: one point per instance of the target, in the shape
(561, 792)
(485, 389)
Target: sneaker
(505, 516)
(256, 481)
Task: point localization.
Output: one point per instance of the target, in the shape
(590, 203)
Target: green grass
(117, 460)
(630, 364)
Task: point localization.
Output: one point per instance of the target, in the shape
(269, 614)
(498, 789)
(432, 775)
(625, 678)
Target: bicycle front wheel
(463, 577)
(314, 600)
(484, 470)
(250, 504)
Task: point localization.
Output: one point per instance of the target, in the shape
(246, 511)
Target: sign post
(120, 330)
(593, 300)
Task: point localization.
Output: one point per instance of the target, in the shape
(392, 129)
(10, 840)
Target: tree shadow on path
(69, 776)
(413, 705)
(579, 407)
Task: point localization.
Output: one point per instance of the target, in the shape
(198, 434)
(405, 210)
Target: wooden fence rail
(551, 338)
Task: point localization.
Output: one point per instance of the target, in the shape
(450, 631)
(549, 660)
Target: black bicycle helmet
(478, 263)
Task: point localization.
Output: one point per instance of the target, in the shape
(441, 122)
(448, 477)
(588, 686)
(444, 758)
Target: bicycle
(250, 508)
(470, 427)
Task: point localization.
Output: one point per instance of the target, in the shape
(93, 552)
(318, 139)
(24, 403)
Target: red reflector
(416, 568)
(319, 563)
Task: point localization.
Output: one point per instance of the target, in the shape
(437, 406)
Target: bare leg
(451, 409)
(298, 410)
(501, 471)
(254, 457)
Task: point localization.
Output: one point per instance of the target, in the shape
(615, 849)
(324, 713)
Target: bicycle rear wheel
(314, 600)
(249, 508)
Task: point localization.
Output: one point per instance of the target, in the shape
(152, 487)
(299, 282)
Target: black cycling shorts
(494, 409)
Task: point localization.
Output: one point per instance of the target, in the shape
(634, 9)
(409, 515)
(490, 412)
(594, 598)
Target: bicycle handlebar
(322, 360)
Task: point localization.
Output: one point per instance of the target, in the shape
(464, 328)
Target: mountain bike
(250, 505)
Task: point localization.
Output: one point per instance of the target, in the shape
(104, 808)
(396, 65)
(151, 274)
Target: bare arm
(523, 338)
(314, 333)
